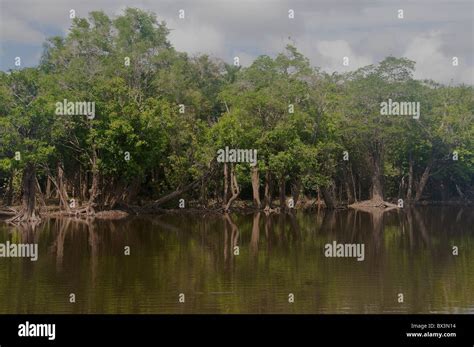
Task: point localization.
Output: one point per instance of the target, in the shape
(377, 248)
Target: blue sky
(431, 32)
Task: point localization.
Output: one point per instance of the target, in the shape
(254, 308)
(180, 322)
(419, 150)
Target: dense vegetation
(160, 120)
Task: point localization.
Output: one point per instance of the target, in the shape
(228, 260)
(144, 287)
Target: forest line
(147, 122)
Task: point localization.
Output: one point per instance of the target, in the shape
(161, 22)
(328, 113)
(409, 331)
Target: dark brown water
(407, 251)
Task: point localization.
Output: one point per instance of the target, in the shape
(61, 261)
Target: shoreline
(121, 212)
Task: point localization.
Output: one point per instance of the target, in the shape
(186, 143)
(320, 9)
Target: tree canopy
(161, 115)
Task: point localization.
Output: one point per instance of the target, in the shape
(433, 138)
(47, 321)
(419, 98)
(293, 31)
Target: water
(407, 251)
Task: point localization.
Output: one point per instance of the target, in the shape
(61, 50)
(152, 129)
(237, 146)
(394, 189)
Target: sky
(431, 32)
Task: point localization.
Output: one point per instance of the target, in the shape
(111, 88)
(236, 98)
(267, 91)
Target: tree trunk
(83, 185)
(377, 188)
(61, 190)
(444, 191)
(256, 186)
(94, 191)
(360, 187)
(29, 190)
(328, 196)
(47, 193)
(347, 187)
(353, 184)
(295, 191)
(234, 188)
(410, 178)
(423, 181)
(350, 197)
(186, 188)
(28, 213)
(176, 193)
(282, 193)
(9, 192)
(401, 187)
(40, 194)
(203, 195)
(459, 191)
(268, 192)
(339, 200)
(225, 197)
(132, 190)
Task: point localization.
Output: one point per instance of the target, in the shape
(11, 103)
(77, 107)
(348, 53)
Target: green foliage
(299, 119)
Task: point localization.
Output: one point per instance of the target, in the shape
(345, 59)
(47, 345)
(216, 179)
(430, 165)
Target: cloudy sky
(431, 33)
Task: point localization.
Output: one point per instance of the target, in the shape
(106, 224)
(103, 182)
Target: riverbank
(241, 206)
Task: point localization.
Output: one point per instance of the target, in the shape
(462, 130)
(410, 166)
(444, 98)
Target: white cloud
(333, 52)
(18, 31)
(431, 63)
(200, 38)
(245, 59)
(366, 32)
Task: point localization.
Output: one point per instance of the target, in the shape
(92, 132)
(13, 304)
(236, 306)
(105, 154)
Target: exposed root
(374, 203)
(85, 211)
(113, 214)
(22, 216)
(267, 210)
(8, 212)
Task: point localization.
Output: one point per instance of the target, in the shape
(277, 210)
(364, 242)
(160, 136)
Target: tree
(26, 123)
